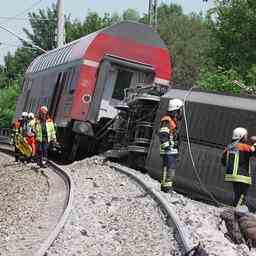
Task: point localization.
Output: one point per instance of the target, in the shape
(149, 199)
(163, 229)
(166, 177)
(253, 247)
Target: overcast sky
(77, 9)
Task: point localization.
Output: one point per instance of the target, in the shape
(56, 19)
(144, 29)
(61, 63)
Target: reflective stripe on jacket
(31, 128)
(50, 130)
(236, 158)
(168, 135)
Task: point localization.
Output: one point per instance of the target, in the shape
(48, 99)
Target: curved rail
(172, 219)
(68, 201)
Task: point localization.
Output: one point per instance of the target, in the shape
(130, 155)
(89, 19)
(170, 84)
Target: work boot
(44, 162)
(166, 189)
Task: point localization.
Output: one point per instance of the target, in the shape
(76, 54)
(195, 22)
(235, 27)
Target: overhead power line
(13, 18)
(28, 9)
(21, 38)
(25, 11)
(16, 46)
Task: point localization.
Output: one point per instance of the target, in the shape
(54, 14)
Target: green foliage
(16, 65)
(131, 15)
(251, 76)
(8, 97)
(187, 37)
(233, 30)
(219, 80)
(92, 23)
(43, 25)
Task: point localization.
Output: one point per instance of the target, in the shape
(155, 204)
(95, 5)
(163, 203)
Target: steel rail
(68, 207)
(68, 200)
(172, 218)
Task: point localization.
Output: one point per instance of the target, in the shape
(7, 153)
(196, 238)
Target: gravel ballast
(201, 221)
(31, 204)
(112, 215)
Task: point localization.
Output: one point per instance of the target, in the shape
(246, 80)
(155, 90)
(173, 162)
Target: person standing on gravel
(45, 134)
(18, 130)
(31, 133)
(236, 159)
(168, 136)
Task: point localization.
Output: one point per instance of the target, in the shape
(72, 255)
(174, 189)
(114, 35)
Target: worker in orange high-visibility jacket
(16, 129)
(168, 136)
(30, 133)
(19, 128)
(236, 159)
(45, 134)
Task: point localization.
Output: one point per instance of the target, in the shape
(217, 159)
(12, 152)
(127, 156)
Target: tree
(92, 23)
(233, 29)
(131, 15)
(44, 28)
(187, 37)
(219, 80)
(8, 97)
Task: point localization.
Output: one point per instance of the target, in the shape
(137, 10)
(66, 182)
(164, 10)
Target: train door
(115, 75)
(61, 80)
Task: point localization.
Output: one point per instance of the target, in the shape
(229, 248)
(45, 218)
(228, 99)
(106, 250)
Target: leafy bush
(8, 97)
(219, 80)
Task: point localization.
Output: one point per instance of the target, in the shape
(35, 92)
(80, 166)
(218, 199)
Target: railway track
(171, 218)
(62, 182)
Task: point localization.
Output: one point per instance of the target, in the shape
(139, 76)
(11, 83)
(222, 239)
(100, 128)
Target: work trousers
(240, 193)
(16, 154)
(42, 151)
(168, 171)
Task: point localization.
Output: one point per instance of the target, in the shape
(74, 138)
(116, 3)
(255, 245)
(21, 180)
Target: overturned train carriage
(83, 81)
(211, 119)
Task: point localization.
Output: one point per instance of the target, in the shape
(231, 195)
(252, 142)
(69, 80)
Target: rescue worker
(30, 134)
(45, 134)
(168, 136)
(236, 159)
(24, 123)
(17, 129)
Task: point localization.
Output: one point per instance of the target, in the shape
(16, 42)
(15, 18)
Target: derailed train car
(211, 119)
(83, 81)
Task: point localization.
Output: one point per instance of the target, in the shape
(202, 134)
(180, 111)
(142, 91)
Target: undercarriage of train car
(122, 113)
(130, 133)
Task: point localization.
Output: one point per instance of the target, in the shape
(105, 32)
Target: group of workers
(236, 156)
(32, 136)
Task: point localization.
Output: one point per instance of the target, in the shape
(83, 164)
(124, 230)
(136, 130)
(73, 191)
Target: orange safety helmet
(43, 110)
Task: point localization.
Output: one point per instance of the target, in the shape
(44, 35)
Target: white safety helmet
(239, 133)
(175, 104)
(31, 115)
(24, 114)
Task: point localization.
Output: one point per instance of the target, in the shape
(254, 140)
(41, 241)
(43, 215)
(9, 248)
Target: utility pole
(61, 24)
(152, 13)
(155, 14)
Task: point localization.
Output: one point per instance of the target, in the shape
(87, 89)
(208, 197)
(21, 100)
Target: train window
(71, 81)
(123, 81)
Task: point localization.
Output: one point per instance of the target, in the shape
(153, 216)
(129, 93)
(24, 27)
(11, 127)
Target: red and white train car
(82, 81)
